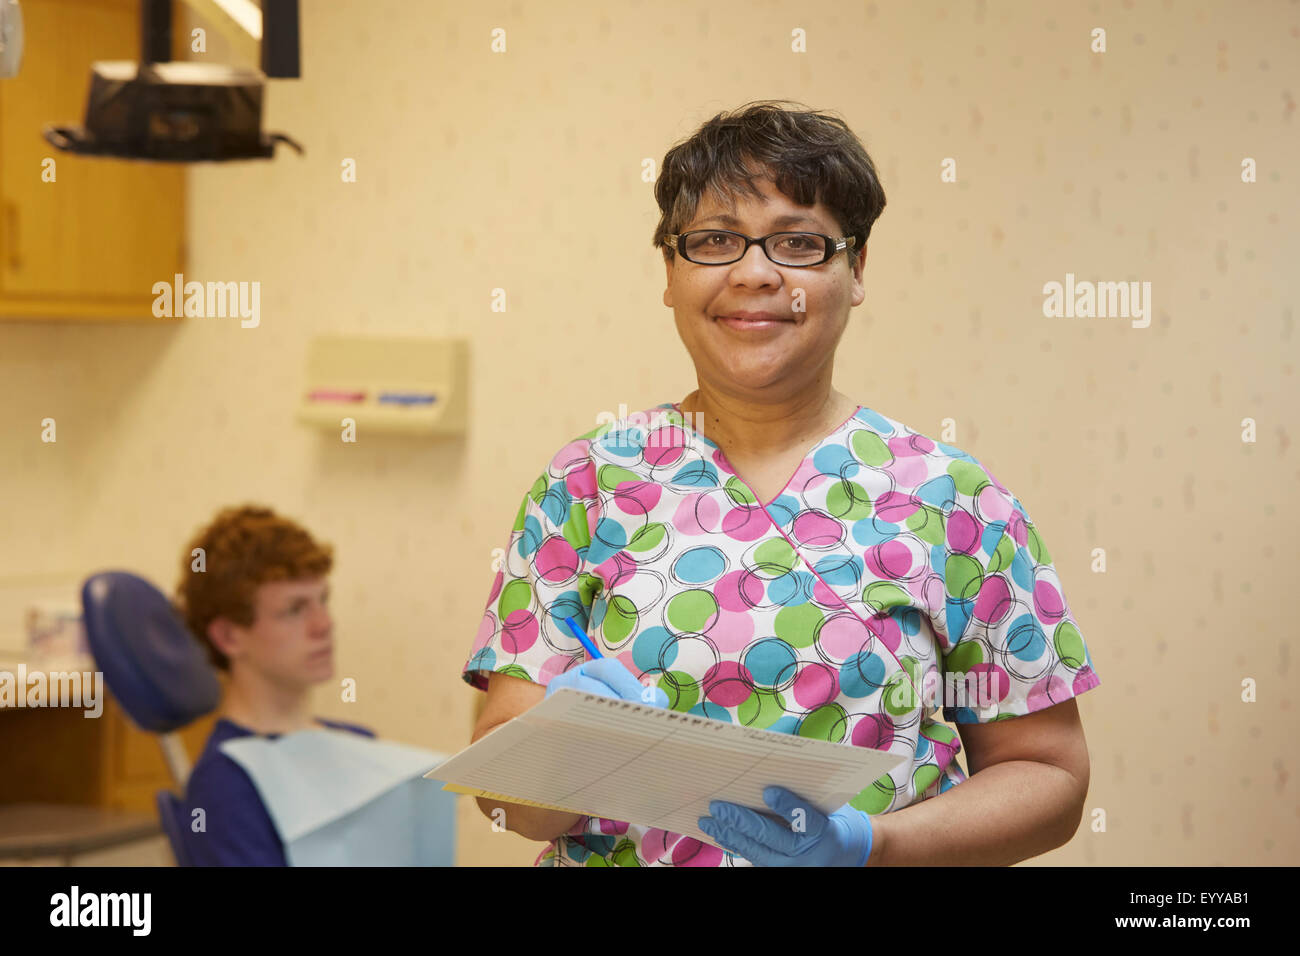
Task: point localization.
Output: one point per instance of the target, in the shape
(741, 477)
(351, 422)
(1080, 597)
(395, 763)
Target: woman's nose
(755, 264)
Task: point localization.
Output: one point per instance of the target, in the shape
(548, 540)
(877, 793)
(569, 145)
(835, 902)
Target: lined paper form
(645, 765)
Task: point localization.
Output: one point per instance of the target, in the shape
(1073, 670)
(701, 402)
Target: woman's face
(782, 361)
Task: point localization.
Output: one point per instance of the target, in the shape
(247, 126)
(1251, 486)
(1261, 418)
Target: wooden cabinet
(134, 769)
(90, 244)
(57, 755)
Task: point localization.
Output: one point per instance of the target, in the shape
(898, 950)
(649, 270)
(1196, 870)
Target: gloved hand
(607, 676)
(841, 839)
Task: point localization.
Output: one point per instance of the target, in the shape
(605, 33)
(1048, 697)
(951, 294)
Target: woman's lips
(751, 325)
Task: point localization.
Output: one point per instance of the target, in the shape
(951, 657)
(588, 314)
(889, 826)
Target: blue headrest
(157, 671)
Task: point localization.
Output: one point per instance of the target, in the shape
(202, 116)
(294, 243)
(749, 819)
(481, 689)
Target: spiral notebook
(645, 765)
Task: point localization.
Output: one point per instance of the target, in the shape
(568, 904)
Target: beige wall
(523, 171)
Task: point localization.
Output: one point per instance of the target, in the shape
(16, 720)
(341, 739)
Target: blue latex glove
(607, 676)
(841, 839)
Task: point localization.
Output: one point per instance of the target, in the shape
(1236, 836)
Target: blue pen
(586, 641)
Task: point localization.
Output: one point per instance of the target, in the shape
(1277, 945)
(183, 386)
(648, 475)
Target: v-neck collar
(721, 456)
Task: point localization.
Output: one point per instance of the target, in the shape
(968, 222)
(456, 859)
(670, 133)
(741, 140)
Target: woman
(771, 552)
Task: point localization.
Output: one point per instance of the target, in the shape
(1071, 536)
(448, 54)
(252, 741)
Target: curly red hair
(243, 548)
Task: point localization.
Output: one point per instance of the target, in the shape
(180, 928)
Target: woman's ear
(859, 267)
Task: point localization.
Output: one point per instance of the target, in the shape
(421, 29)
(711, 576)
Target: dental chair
(157, 672)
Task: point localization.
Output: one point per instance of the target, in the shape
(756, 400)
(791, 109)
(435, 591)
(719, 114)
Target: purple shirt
(239, 831)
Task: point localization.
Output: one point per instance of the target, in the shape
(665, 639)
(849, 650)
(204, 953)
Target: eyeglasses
(720, 247)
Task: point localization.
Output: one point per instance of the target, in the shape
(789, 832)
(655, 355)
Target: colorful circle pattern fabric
(892, 575)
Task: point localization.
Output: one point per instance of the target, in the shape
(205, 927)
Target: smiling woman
(796, 561)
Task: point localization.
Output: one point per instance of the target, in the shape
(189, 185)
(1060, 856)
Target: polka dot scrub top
(892, 578)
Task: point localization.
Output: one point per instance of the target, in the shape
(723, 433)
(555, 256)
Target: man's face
(762, 364)
(291, 640)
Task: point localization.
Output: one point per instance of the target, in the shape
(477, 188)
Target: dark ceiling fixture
(186, 111)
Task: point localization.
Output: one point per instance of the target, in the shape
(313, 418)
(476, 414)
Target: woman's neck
(745, 430)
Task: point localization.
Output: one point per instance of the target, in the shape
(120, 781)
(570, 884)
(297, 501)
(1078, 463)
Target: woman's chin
(756, 379)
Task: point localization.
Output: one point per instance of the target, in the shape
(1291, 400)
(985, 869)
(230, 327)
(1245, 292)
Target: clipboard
(650, 766)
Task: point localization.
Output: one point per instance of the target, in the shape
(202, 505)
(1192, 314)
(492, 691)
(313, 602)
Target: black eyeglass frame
(833, 246)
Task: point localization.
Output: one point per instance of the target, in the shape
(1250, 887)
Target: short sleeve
(1018, 648)
(237, 831)
(543, 577)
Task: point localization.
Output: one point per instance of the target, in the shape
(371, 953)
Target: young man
(259, 608)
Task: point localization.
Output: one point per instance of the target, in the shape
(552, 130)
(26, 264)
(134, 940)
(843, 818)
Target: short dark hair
(244, 548)
(811, 156)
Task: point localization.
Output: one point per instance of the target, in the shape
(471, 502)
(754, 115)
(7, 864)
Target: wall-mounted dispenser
(412, 385)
